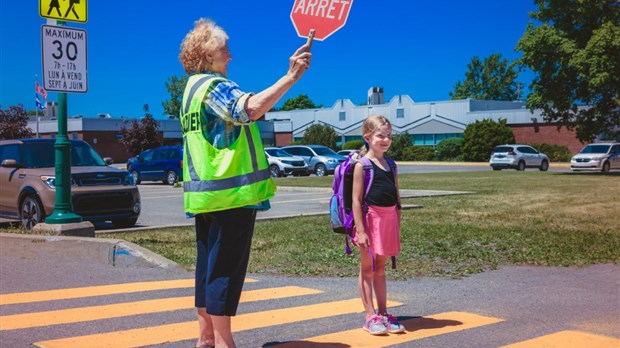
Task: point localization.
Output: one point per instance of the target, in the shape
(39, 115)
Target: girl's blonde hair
(206, 38)
(371, 125)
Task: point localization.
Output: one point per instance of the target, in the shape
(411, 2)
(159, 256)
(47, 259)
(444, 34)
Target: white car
(518, 157)
(282, 163)
(600, 157)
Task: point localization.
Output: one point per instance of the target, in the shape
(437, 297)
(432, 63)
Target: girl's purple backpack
(341, 202)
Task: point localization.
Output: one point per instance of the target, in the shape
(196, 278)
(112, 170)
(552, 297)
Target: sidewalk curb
(114, 252)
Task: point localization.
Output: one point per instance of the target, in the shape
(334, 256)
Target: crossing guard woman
(225, 172)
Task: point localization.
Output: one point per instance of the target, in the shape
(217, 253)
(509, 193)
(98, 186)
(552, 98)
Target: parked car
(164, 163)
(346, 153)
(601, 157)
(98, 192)
(282, 163)
(518, 157)
(320, 159)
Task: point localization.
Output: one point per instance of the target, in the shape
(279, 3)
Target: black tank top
(383, 189)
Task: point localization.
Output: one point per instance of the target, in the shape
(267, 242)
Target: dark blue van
(163, 164)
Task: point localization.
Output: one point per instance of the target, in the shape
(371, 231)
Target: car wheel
(124, 223)
(605, 167)
(274, 171)
(544, 166)
(136, 178)
(31, 212)
(171, 178)
(319, 170)
(521, 166)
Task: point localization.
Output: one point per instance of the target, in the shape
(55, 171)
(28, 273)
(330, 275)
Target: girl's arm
(358, 205)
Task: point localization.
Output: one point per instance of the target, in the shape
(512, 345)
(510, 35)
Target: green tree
(175, 86)
(141, 135)
(491, 79)
(320, 134)
(399, 143)
(574, 56)
(14, 123)
(449, 149)
(301, 101)
(482, 136)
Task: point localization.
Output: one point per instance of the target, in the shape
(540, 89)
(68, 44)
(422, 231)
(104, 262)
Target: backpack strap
(369, 175)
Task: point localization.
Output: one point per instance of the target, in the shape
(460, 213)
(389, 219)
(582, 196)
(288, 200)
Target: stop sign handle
(310, 39)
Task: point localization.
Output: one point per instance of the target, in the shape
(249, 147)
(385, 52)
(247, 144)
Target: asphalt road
(51, 297)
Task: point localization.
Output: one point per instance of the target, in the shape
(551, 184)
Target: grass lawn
(514, 218)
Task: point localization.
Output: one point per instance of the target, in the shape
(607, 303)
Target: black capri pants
(223, 242)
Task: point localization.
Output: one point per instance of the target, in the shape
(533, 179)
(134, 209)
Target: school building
(427, 123)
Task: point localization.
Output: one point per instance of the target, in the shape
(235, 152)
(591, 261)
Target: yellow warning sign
(64, 10)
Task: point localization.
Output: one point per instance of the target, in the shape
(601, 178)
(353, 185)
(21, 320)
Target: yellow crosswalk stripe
(75, 315)
(90, 291)
(188, 330)
(572, 339)
(417, 328)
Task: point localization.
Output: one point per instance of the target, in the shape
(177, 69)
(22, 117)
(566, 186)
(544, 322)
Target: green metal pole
(63, 212)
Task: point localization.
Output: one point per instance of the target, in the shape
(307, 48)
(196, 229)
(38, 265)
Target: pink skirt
(383, 228)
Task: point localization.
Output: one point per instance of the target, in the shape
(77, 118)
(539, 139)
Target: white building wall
(450, 116)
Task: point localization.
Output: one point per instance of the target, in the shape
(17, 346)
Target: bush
(418, 153)
(353, 145)
(399, 143)
(449, 149)
(556, 153)
(482, 136)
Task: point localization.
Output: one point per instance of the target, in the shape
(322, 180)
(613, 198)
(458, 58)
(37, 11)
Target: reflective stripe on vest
(232, 177)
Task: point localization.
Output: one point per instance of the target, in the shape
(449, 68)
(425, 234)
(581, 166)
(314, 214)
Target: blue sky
(416, 47)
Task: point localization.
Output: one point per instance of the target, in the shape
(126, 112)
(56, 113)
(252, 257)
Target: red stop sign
(325, 16)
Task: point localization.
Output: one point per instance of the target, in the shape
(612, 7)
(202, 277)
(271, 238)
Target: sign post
(324, 16)
(64, 70)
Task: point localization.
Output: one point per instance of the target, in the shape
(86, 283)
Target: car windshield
(324, 151)
(595, 149)
(278, 153)
(41, 155)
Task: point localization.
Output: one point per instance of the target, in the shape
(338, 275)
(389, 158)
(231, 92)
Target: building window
(400, 113)
(342, 116)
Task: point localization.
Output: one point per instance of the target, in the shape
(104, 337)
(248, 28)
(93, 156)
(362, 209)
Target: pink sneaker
(391, 324)
(374, 325)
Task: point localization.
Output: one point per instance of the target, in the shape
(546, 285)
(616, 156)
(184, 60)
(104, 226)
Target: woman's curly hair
(205, 38)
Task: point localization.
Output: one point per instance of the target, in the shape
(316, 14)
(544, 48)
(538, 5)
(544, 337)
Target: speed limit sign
(64, 59)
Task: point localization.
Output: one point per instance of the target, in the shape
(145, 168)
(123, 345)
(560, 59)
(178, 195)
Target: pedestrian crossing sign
(64, 10)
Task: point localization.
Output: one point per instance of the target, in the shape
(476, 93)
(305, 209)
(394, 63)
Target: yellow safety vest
(220, 179)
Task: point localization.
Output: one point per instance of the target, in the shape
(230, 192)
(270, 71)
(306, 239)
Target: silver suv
(98, 192)
(282, 163)
(321, 159)
(600, 157)
(518, 157)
